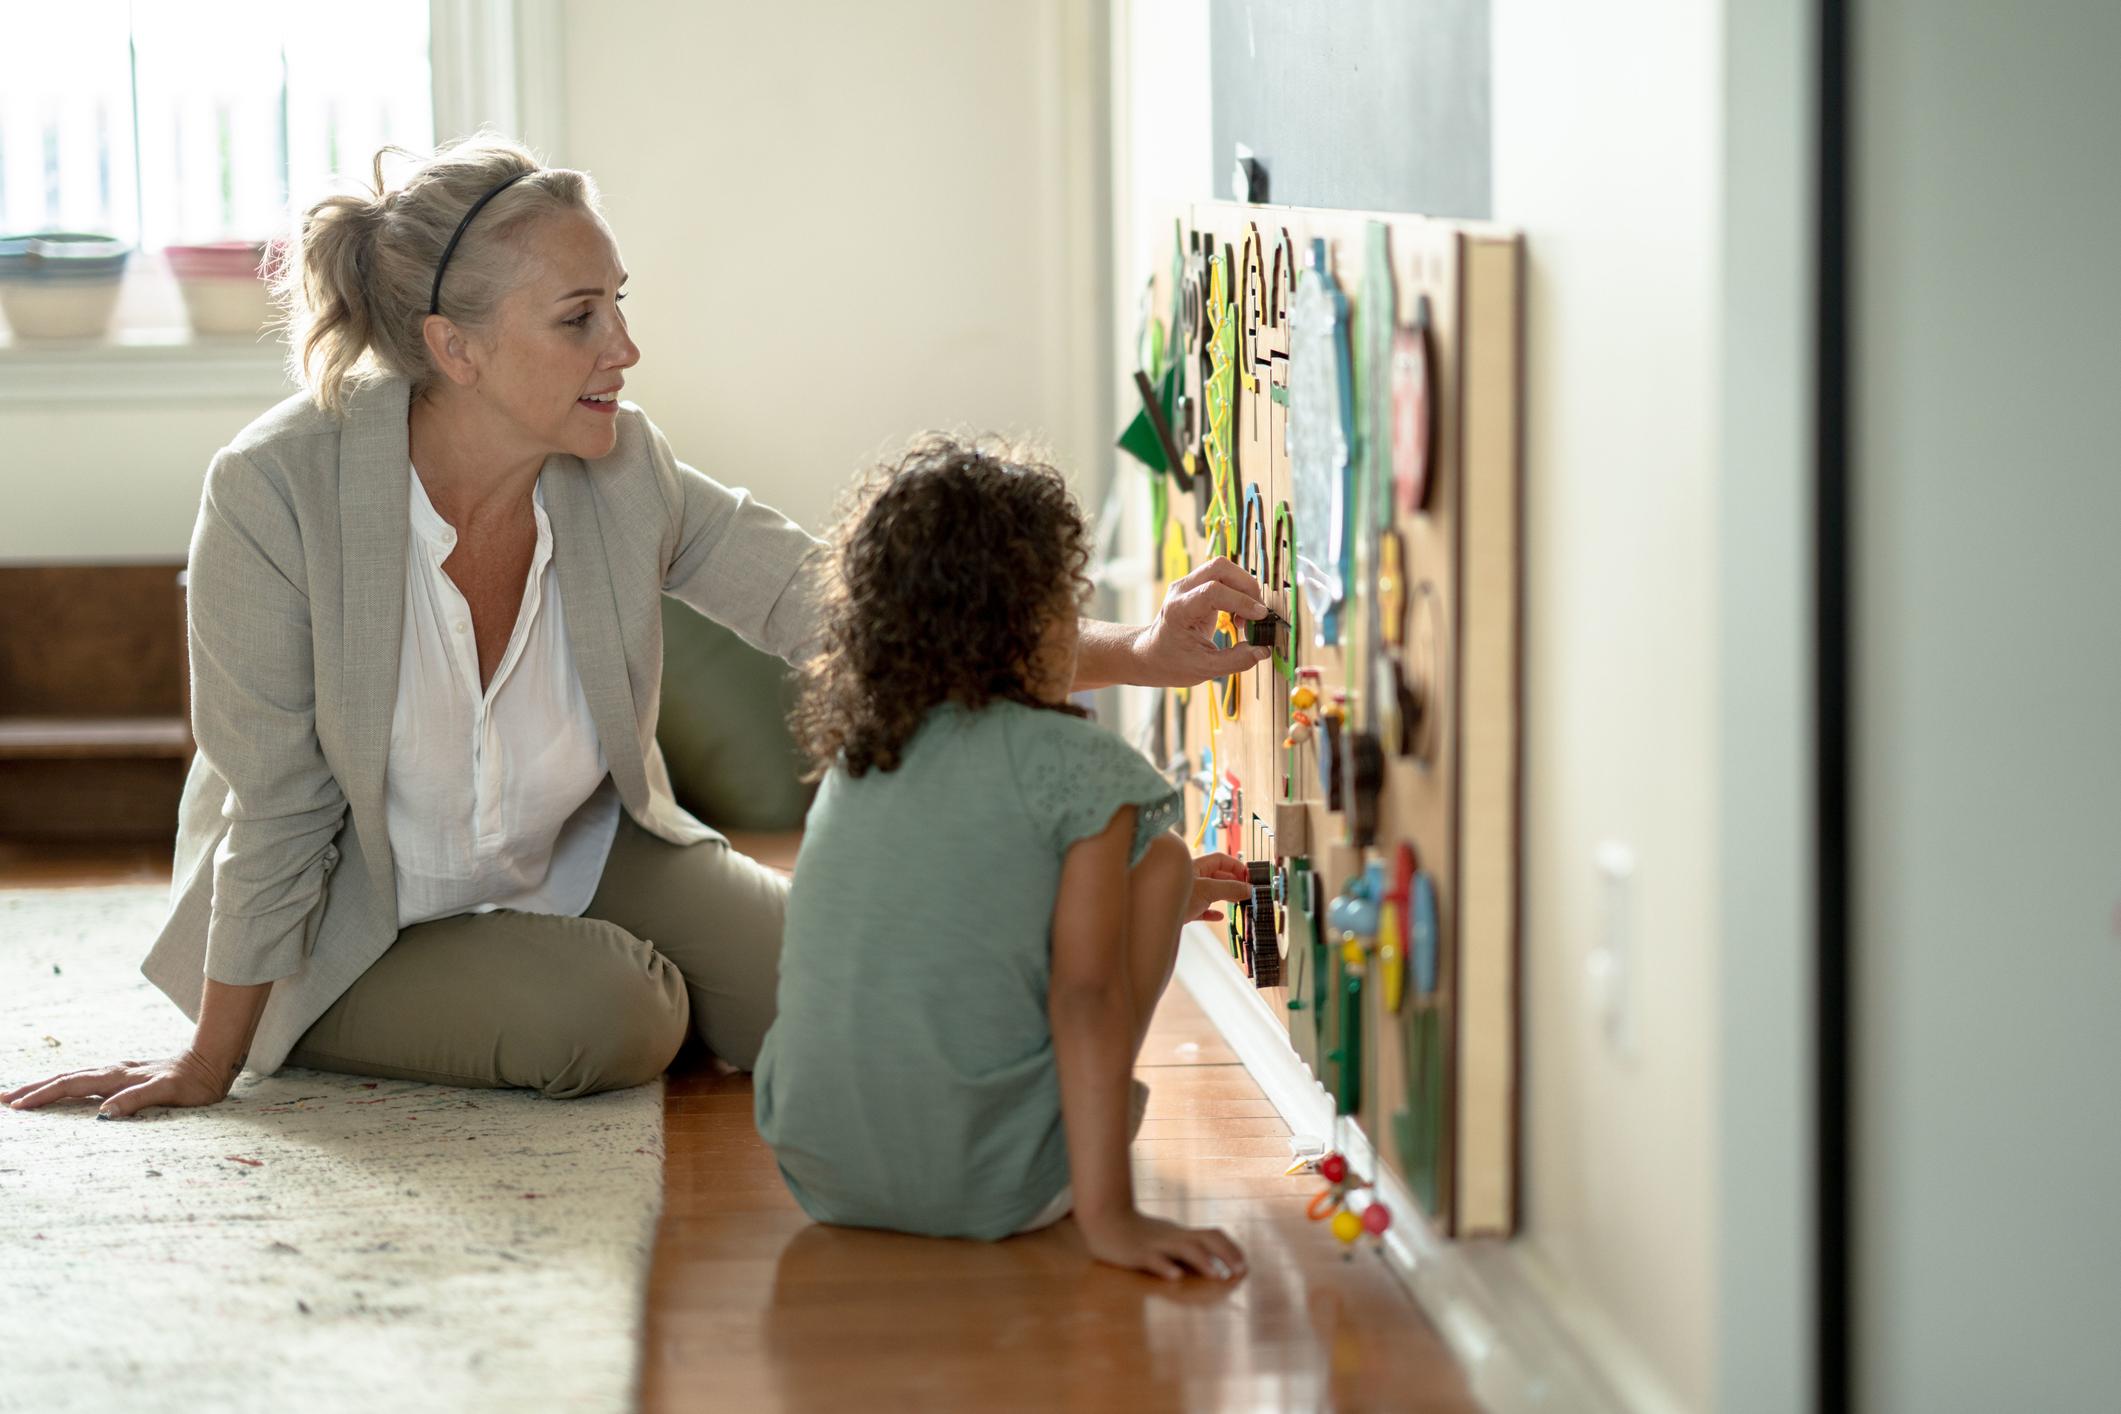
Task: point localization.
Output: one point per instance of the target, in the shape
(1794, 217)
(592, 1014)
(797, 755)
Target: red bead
(1333, 1168)
(1376, 1218)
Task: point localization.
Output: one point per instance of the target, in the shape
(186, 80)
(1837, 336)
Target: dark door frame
(1834, 1296)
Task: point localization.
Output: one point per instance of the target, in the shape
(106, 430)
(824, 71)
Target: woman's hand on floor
(131, 1086)
(1163, 1249)
(1217, 878)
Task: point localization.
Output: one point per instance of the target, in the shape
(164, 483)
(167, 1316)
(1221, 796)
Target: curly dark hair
(952, 561)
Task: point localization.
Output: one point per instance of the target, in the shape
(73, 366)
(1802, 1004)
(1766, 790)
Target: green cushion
(724, 727)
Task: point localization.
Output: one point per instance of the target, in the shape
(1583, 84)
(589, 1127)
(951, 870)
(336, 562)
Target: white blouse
(501, 798)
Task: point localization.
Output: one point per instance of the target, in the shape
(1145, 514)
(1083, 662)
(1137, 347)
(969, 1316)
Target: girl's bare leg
(1158, 888)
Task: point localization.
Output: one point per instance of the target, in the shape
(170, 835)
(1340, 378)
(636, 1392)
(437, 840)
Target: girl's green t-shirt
(908, 1081)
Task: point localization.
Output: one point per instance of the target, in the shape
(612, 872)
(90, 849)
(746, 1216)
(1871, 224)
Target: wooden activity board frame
(1341, 395)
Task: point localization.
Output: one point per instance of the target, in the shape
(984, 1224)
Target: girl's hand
(1178, 649)
(130, 1086)
(1163, 1249)
(1217, 878)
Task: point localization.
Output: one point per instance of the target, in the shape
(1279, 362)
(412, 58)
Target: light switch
(1609, 970)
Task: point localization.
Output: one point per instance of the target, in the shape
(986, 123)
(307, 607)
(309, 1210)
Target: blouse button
(460, 626)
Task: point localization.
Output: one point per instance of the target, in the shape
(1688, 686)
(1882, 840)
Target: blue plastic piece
(1426, 934)
(1355, 909)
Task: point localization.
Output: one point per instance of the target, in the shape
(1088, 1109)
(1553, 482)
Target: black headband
(434, 300)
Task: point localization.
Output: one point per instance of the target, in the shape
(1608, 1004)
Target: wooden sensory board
(1455, 800)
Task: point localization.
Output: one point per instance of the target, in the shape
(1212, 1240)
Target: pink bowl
(224, 260)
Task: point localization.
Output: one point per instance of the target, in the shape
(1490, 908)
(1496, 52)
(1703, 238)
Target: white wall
(1160, 135)
(1608, 142)
(1988, 681)
(845, 222)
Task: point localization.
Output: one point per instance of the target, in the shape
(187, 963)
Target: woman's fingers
(79, 1084)
(130, 1101)
(1221, 890)
(1223, 570)
(1219, 866)
(1221, 662)
(1203, 602)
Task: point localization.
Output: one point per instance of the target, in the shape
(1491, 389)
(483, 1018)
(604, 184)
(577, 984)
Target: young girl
(987, 903)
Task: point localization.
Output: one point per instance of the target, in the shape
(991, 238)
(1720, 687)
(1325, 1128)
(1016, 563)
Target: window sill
(143, 366)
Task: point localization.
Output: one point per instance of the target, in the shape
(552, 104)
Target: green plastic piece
(1345, 1060)
(1377, 317)
(1307, 967)
(1417, 1130)
(1140, 442)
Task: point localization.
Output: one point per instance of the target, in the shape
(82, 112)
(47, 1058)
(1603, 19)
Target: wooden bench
(95, 701)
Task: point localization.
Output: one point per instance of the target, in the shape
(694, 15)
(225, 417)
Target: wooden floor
(751, 1306)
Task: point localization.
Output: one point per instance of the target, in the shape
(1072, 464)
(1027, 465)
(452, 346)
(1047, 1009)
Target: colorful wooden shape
(1309, 970)
(1422, 661)
(1413, 415)
(1419, 1126)
(1391, 589)
(1334, 717)
(1351, 920)
(1219, 395)
(1176, 562)
(1393, 929)
(1266, 937)
(1366, 782)
(1320, 426)
(1427, 935)
(1344, 1062)
(1376, 316)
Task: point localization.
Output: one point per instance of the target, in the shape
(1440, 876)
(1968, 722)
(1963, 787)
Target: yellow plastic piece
(1176, 562)
(1346, 1226)
(1391, 967)
(1351, 951)
(1391, 591)
(1303, 697)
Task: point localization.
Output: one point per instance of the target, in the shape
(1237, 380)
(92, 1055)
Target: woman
(428, 833)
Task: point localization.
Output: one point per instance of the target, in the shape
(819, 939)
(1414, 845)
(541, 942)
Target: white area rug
(315, 1242)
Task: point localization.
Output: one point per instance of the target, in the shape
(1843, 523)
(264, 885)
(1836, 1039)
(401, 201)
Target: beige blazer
(283, 868)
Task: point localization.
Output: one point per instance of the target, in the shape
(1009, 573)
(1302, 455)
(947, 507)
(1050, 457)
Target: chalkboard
(1378, 105)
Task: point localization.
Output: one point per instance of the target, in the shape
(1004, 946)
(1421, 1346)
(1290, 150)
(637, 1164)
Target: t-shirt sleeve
(1074, 776)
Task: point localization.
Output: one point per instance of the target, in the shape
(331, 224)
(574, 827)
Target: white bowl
(59, 309)
(226, 306)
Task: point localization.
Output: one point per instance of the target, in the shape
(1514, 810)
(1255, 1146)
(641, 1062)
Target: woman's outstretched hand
(1217, 879)
(1178, 649)
(131, 1086)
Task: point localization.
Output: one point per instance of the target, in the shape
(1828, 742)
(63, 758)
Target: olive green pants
(677, 935)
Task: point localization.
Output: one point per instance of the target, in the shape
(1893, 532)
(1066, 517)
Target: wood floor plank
(753, 1306)
(1194, 1127)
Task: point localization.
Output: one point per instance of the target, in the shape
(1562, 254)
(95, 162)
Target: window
(166, 122)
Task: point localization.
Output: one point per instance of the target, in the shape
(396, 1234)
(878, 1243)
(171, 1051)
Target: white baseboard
(1526, 1346)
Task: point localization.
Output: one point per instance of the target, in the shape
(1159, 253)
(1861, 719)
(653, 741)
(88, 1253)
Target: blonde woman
(428, 833)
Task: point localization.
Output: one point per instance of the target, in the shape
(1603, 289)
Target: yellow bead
(1303, 699)
(1351, 952)
(1346, 1226)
